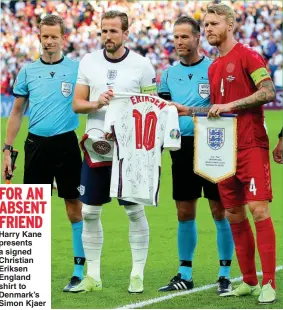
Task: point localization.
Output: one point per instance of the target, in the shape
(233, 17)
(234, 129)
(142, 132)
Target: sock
(265, 237)
(138, 237)
(225, 246)
(245, 250)
(79, 255)
(187, 241)
(92, 239)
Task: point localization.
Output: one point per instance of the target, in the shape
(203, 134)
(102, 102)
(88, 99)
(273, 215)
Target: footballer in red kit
(236, 76)
(241, 84)
(233, 77)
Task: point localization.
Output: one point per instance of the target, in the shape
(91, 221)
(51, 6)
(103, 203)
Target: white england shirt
(131, 73)
(143, 126)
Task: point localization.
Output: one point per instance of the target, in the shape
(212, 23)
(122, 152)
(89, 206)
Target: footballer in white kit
(142, 126)
(121, 70)
(132, 73)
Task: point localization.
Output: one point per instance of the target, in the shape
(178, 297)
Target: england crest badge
(215, 138)
(66, 89)
(112, 74)
(215, 147)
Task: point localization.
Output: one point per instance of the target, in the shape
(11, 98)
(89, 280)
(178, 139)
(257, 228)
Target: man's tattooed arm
(265, 93)
(188, 111)
(200, 109)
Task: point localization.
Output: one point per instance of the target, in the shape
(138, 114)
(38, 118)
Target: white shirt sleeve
(148, 78)
(172, 135)
(82, 78)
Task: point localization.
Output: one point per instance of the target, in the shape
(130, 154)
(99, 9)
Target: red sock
(245, 250)
(265, 237)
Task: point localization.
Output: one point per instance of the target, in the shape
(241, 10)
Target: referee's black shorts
(56, 157)
(186, 184)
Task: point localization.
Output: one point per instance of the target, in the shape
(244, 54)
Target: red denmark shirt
(233, 77)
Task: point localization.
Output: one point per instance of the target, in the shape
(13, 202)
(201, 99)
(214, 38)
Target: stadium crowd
(259, 24)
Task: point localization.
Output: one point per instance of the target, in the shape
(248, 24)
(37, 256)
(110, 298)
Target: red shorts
(252, 181)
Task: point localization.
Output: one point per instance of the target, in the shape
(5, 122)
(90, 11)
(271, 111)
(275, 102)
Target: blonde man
(240, 83)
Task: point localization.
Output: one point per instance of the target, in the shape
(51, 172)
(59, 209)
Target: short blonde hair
(221, 9)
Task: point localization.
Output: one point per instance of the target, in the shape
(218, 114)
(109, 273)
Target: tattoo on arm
(200, 109)
(265, 93)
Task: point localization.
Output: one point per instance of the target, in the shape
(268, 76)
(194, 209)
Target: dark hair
(190, 21)
(53, 20)
(121, 15)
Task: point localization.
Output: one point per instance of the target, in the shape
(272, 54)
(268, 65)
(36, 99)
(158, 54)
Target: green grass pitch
(162, 258)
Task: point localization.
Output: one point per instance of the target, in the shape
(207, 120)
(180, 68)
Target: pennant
(215, 149)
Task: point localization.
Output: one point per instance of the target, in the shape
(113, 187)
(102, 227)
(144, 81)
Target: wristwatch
(7, 147)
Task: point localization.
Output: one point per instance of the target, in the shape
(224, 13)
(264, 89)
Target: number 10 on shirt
(145, 137)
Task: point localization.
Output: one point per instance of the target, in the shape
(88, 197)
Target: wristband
(7, 147)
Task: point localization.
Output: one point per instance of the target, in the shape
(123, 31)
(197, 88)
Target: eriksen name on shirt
(155, 101)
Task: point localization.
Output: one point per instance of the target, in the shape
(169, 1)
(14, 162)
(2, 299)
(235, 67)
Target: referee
(51, 147)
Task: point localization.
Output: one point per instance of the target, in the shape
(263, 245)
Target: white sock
(92, 239)
(138, 237)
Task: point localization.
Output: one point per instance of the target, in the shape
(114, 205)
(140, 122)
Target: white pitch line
(170, 296)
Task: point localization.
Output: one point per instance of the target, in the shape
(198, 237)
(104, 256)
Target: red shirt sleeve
(254, 63)
(253, 60)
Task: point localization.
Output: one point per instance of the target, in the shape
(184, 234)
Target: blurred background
(259, 24)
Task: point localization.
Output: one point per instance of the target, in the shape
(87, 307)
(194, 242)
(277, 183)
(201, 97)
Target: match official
(51, 147)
